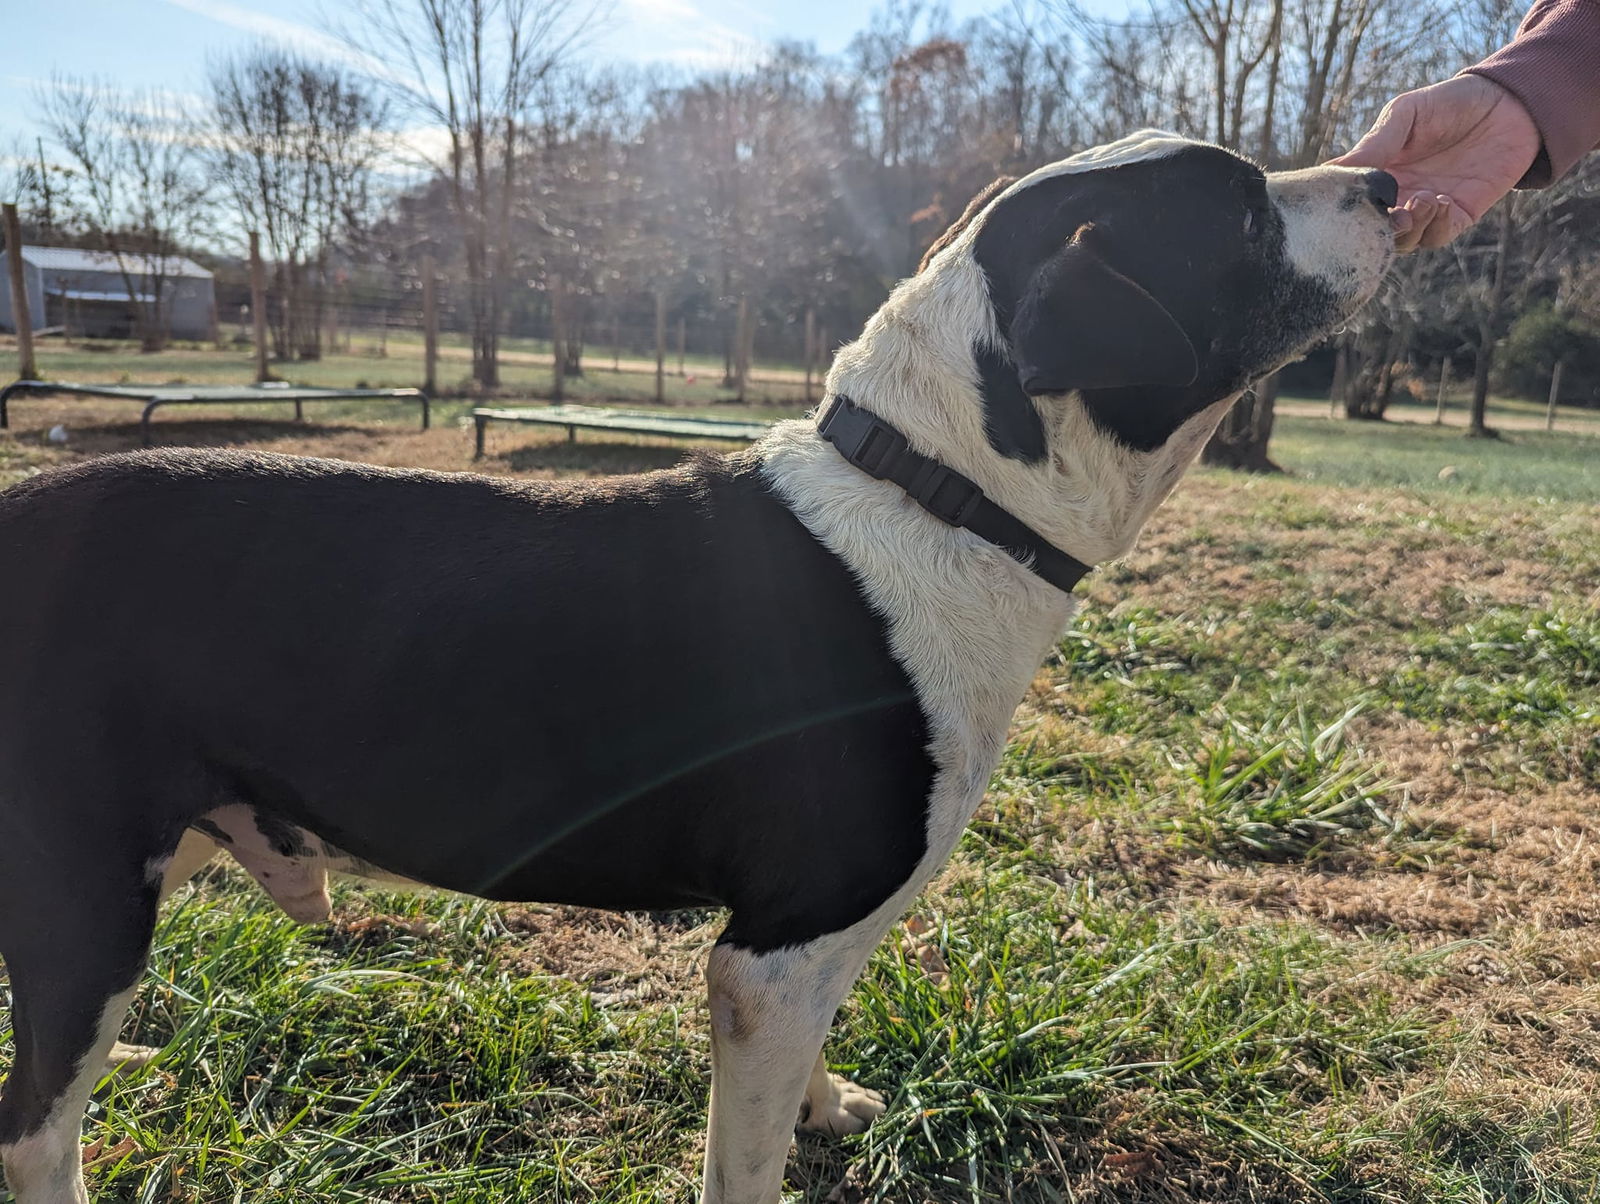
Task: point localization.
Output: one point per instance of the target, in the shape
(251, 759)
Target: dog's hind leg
(194, 852)
(770, 1013)
(74, 959)
(836, 1106)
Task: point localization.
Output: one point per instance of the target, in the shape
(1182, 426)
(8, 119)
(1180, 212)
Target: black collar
(879, 450)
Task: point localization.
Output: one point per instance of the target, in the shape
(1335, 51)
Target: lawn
(1390, 455)
(1283, 892)
(397, 363)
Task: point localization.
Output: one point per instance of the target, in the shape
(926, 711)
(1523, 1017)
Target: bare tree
(19, 176)
(469, 67)
(295, 144)
(137, 187)
(1277, 78)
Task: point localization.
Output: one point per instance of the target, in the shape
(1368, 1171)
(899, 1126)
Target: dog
(324, 667)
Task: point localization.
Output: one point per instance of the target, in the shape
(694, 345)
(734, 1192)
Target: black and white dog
(775, 683)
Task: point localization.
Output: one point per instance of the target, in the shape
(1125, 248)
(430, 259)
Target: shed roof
(84, 294)
(69, 259)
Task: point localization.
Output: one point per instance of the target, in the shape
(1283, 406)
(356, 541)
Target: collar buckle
(863, 438)
(944, 493)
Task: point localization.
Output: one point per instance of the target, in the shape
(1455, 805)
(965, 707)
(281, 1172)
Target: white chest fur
(969, 624)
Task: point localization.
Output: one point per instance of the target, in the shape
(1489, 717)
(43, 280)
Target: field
(626, 374)
(1285, 891)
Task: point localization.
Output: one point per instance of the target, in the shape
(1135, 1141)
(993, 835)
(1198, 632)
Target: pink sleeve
(1553, 67)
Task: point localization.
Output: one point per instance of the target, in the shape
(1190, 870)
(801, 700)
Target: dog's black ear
(974, 207)
(1081, 324)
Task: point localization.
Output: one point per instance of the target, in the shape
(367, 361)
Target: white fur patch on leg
(769, 1015)
(46, 1166)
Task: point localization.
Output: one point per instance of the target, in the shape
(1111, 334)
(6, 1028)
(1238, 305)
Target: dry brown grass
(1502, 890)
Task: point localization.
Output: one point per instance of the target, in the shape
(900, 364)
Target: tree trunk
(558, 341)
(1399, 352)
(741, 349)
(1341, 374)
(430, 328)
(330, 306)
(21, 316)
(1489, 327)
(1372, 385)
(314, 300)
(811, 348)
(730, 349)
(661, 346)
(1241, 440)
(1270, 101)
(1480, 385)
(258, 306)
(279, 316)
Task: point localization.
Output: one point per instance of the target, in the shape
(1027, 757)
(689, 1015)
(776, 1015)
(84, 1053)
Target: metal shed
(88, 292)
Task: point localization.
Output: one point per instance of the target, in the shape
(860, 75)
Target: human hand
(1455, 148)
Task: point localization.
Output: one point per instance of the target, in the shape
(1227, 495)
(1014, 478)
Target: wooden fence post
(741, 353)
(332, 301)
(661, 346)
(430, 329)
(558, 340)
(20, 317)
(811, 347)
(1555, 394)
(258, 306)
(1444, 383)
(1341, 373)
(683, 337)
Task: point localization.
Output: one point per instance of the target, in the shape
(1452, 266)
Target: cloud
(152, 101)
(277, 29)
(676, 31)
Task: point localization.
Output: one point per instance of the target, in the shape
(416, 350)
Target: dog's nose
(1383, 190)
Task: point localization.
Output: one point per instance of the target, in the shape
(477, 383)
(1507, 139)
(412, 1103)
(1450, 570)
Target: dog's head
(1155, 277)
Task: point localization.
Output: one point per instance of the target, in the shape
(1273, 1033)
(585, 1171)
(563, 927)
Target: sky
(167, 43)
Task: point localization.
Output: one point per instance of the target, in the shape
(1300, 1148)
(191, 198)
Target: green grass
(1459, 405)
(1293, 790)
(525, 370)
(1527, 681)
(1523, 464)
(1282, 893)
(322, 1065)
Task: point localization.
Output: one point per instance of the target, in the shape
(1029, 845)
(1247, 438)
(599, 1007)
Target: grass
(1282, 892)
(1291, 791)
(525, 370)
(1393, 455)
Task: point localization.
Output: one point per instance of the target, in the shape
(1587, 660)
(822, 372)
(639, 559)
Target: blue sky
(166, 43)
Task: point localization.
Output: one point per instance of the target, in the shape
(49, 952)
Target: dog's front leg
(770, 1013)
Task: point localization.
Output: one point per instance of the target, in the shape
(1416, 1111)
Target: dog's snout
(1383, 190)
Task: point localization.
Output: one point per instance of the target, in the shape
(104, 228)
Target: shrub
(1538, 339)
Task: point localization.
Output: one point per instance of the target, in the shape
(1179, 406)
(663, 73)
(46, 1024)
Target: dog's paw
(846, 1108)
(124, 1059)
